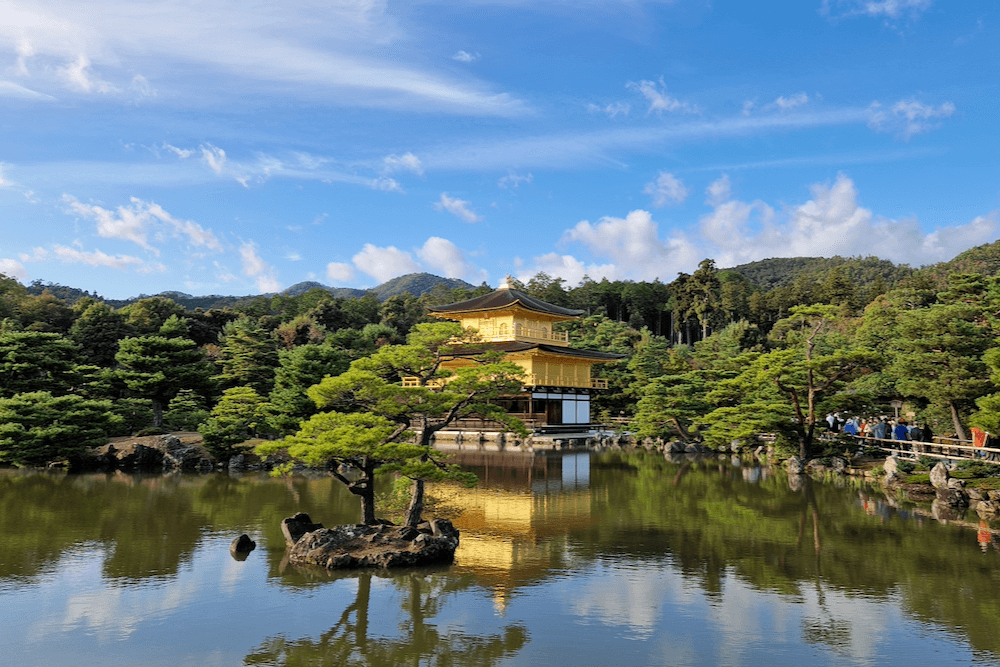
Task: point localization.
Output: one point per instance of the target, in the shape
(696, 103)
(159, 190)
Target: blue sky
(237, 148)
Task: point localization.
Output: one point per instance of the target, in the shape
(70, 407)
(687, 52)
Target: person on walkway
(881, 430)
(928, 435)
(901, 432)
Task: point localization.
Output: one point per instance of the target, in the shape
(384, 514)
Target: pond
(575, 559)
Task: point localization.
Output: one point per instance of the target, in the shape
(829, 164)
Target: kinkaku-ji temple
(557, 378)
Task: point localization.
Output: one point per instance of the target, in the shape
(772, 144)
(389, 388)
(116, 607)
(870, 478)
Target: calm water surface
(581, 559)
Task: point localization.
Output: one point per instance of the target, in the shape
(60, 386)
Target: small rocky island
(381, 545)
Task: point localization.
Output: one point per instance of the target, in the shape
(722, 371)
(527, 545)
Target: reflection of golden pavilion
(510, 537)
(558, 383)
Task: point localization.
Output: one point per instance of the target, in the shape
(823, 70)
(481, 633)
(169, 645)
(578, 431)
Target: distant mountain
(339, 292)
(781, 271)
(414, 283)
(417, 284)
(984, 259)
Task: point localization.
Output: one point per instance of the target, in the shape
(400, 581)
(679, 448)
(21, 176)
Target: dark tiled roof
(517, 346)
(505, 298)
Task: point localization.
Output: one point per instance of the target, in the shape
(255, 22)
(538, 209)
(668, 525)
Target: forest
(714, 355)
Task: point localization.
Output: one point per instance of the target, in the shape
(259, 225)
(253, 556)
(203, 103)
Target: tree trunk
(364, 488)
(959, 431)
(157, 412)
(415, 512)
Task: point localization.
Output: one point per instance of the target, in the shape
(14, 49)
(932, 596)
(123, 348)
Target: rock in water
(242, 546)
(294, 527)
(381, 546)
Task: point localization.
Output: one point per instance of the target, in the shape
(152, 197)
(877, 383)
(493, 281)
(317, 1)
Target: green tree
(147, 315)
(34, 361)
(372, 423)
(38, 428)
(237, 417)
(156, 367)
(940, 358)
(780, 391)
(185, 411)
(248, 356)
(97, 330)
(300, 368)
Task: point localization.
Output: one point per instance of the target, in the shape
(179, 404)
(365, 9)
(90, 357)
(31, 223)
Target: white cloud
(612, 110)
(666, 189)
(13, 269)
(80, 77)
(323, 50)
(182, 153)
(127, 223)
(465, 57)
(214, 157)
(458, 208)
(719, 191)
(383, 264)
(224, 274)
(293, 256)
(95, 258)
(568, 268)
(890, 9)
(255, 267)
(338, 272)
(657, 97)
(385, 184)
(748, 106)
(444, 256)
(404, 162)
(11, 89)
(133, 223)
(907, 117)
(830, 223)
(513, 180)
(788, 103)
(632, 244)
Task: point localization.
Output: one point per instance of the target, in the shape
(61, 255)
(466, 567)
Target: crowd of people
(882, 428)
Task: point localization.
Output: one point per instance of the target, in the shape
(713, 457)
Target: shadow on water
(418, 640)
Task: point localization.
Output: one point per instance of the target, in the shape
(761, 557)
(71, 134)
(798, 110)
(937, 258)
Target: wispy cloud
(655, 94)
(513, 180)
(666, 189)
(258, 269)
(908, 117)
(404, 162)
(135, 222)
(611, 110)
(465, 57)
(11, 89)
(889, 9)
(458, 208)
(68, 255)
(100, 48)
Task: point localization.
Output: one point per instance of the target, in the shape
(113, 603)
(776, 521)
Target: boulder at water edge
(381, 546)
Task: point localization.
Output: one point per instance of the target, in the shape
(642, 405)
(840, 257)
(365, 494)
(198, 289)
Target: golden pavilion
(558, 385)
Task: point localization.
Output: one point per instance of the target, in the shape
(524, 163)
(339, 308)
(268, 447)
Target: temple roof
(518, 346)
(502, 299)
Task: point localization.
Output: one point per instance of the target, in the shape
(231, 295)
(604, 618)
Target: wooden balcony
(503, 333)
(546, 380)
(534, 380)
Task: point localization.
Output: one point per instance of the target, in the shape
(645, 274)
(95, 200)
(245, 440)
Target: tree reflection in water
(419, 641)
